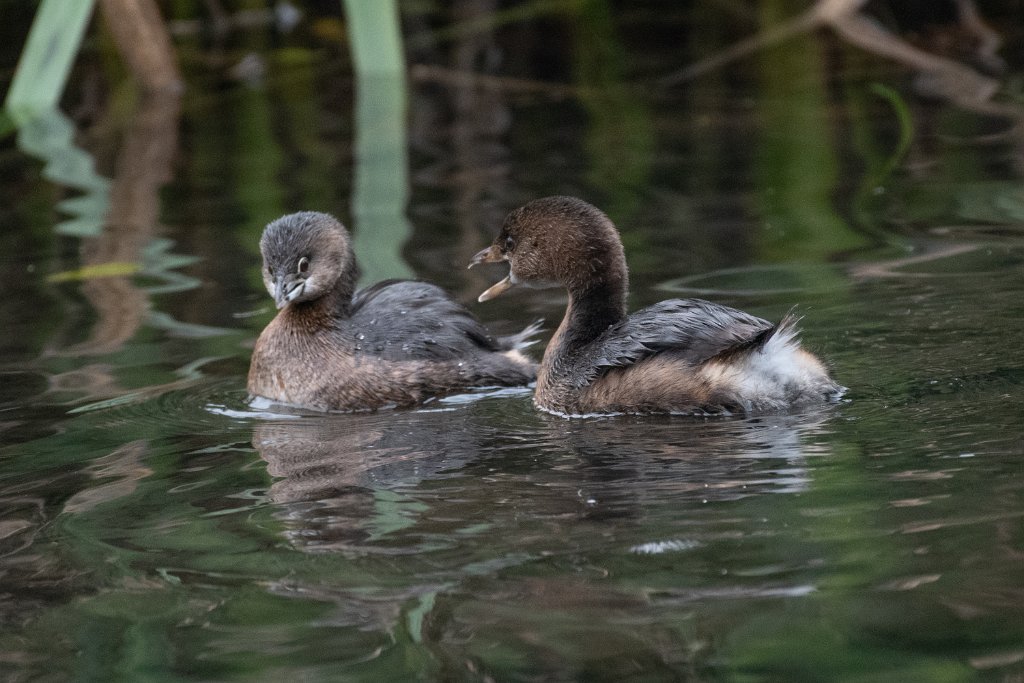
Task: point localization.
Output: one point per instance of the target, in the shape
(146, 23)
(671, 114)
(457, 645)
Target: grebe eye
(510, 243)
(303, 265)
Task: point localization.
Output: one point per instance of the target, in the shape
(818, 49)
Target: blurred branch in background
(808, 21)
(460, 78)
(142, 39)
(117, 220)
(42, 73)
(939, 76)
(143, 166)
(381, 165)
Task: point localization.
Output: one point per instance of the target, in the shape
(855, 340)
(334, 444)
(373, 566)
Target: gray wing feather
(412, 320)
(693, 330)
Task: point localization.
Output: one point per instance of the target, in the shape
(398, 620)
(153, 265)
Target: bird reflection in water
(336, 475)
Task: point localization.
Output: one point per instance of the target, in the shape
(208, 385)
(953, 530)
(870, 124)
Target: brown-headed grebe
(677, 356)
(396, 343)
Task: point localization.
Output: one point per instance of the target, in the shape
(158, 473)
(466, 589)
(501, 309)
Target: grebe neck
(590, 312)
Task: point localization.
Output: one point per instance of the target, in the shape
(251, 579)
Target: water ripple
(179, 407)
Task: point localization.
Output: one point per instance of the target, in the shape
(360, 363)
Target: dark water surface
(157, 525)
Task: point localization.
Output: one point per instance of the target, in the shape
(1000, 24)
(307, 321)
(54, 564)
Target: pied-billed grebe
(680, 355)
(396, 343)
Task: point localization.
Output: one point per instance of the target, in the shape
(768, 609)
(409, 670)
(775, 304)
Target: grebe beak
(492, 255)
(496, 289)
(489, 255)
(286, 289)
(280, 292)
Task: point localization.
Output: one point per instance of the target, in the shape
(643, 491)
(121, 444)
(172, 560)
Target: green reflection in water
(258, 162)
(49, 135)
(381, 172)
(308, 168)
(798, 164)
(47, 58)
(620, 137)
(819, 636)
(171, 568)
(43, 131)
(881, 163)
